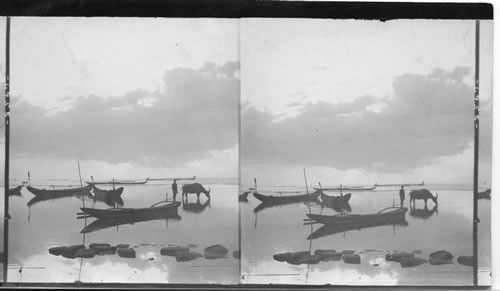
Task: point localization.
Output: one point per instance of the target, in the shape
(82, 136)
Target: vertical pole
(7, 141)
(305, 178)
(476, 156)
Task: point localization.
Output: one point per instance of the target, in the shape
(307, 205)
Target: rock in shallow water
(172, 250)
(126, 253)
(351, 258)
(440, 258)
(56, 251)
(407, 262)
(187, 256)
(397, 256)
(217, 249)
(309, 259)
(466, 260)
(70, 251)
(99, 245)
(290, 257)
(122, 246)
(85, 253)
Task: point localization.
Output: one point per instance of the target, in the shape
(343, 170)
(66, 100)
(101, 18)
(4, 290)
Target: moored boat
(287, 198)
(170, 209)
(335, 199)
(388, 214)
(351, 188)
(59, 192)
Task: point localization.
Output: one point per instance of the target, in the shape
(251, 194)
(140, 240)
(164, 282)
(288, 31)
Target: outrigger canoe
(59, 192)
(353, 188)
(287, 198)
(169, 209)
(388, 214)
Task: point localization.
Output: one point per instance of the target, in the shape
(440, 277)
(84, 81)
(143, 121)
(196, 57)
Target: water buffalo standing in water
(196, 188)
(422, 194)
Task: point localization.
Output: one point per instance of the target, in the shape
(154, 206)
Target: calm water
(449, 227)
(35, 229)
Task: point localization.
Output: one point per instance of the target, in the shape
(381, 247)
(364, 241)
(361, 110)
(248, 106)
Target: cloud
(196, 113)
(426, 118)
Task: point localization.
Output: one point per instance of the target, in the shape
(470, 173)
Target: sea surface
(448, 226)
(52, 223)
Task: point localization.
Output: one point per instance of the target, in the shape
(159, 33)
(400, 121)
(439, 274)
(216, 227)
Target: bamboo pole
(476, 157)
(7, 151)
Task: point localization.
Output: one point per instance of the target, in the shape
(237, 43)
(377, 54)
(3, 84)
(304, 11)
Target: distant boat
(132, 213)
(399, 185)
(59, 192)
(352, 188)
(16, 191)
(381, 216)
(287, 198)
(91, 183)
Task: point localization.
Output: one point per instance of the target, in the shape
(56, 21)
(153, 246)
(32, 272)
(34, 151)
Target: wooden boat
(91, 183)
(352, 188)
(399, 185)
(104, 223)
(338, 199)
(287, 198)
(59, 192)
(329, 229)
(170, 209)
(388, 214)
(484, 195)
(16, 191)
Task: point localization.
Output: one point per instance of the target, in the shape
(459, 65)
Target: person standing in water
(174, 189)
(402, 195)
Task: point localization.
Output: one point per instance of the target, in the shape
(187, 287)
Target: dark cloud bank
(427, 117)
(197, 112)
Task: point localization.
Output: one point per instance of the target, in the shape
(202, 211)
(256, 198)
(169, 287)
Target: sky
(127, 97)
(362, 102)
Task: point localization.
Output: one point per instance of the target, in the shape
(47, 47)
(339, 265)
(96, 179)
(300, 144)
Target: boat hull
(59, 193)
(398, 213)
(335, 199)
(286, 199)
(132, 213)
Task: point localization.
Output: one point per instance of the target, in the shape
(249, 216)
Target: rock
(122, 246)
(438, 261)
(85, 253)
(351, 258)
(187, 256)
(104, 250)
(417, 252)
(290, 257)
(70, 251)
(56, 251)
(151, 259)
(99, 245)
(237, 255)
(396, 256)
(407, 262)
(325, 252)
(214, 256)
(217, 249)
(328, 255)
(441, 256)
(126, 253)
(466, 261)
(172, 250)
(309, 259)
(370, 250)
(346, 252)
(192, 246)
(375, 265)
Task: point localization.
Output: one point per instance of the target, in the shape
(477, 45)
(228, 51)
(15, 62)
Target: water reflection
(49, 197)
(424, 213)
(109, 197)
(197, 207)
(104, 223)
(327, 229)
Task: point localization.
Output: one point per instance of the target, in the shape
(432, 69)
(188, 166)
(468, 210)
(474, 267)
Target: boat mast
(7, 140)
(476, 157)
